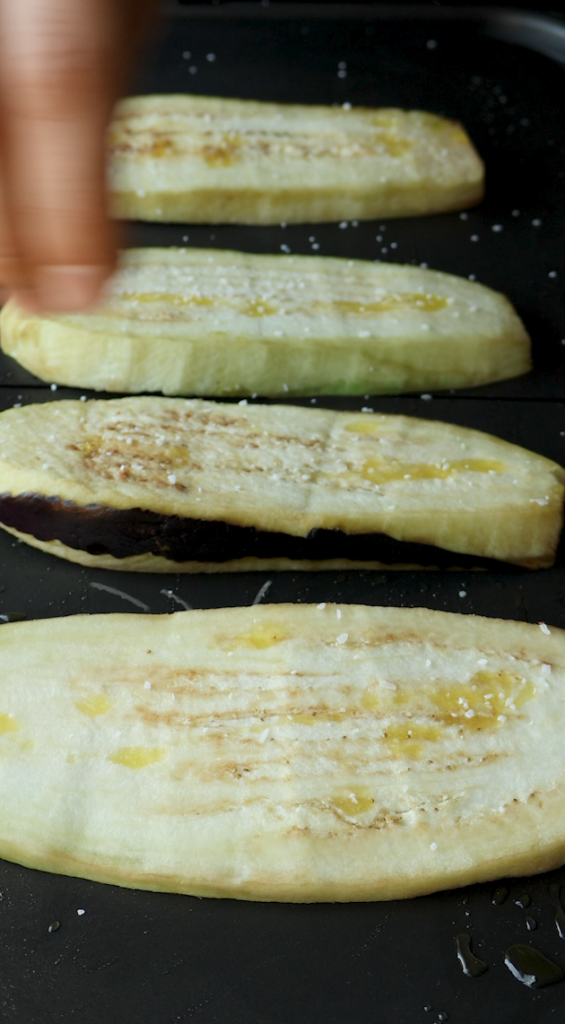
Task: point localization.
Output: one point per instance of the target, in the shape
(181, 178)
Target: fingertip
(67, 289)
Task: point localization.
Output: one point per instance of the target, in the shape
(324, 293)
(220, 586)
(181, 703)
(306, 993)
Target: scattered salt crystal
(53, 387)
(470, 713)
(172, 478)
(367, 408)
(342, 638)
(211, 57)
(496, 227)
(501, 718)
(263, 735)
(81, 912)
(474, 238)
(462, 593)
(536, 223)
(544, 628)
(147, 685)
(338, 612)
(431, 45)
(433, 846)
(322, 605)
(426, 398)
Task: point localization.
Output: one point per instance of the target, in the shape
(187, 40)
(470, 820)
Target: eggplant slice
(202, 159)
(162, 484)
(207, 322)
(283, 752)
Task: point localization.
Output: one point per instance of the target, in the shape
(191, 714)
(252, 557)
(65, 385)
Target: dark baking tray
(158, 959)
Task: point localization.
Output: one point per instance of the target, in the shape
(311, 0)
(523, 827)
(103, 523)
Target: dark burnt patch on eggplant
(121, 533)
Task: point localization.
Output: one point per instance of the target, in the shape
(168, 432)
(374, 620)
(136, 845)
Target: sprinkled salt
(263, 735)
(81, 912)
(342, 638)
(462, 593)
(53, 387)
(211, 57)
(536, 223)
(147, 685)
(321, 606)
(544, 628)
(433, 846)
(426, 398)
(496, 227)
(338, 613)
(431, 45)
(172, 478)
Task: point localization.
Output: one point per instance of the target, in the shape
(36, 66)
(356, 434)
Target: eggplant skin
(101, 535)
(211, 322)
(277, 470)
(283, 752)
(211, 160)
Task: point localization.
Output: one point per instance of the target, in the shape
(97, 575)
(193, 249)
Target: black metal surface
(155, 959)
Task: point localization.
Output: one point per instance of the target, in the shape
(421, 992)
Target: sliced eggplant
(186, 485)
(207, 322)
(210, 160)
(283, 752)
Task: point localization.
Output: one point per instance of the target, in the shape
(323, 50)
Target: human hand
(62, 64)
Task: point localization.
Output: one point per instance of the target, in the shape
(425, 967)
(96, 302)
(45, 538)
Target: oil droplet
(8, 724)
(499, 895)
(531, 967)
(555, 893)
(12, 617)
(523, 901)
(472, 966)
(531, 923)
(353, 802)
(266, 635)
(379, 471)
(137, 757)
(94, 705)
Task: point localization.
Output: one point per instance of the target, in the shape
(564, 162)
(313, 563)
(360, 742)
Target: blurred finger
(56, 100)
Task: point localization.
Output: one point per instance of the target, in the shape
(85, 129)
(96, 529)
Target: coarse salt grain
(147, 685)
(342, 638)
(544, 628)
(433, 846)
(322, 605)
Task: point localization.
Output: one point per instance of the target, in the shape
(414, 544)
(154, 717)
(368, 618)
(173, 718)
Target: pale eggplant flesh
(283, 752)
(211, 322)
(162, 484)
(207, 159)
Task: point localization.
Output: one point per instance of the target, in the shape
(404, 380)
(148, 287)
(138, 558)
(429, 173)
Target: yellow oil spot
(393, 303)
(486, 701)
(223, 153)
(353, 802)
(138, 757)
(266, 635)
(94, 705)
(168, 298)
(478, 704)
(8, 724)
(380, 471)
(162, 146)
(91, 445)
(407, 738)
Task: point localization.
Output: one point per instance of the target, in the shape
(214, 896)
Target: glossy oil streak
(531, 967)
